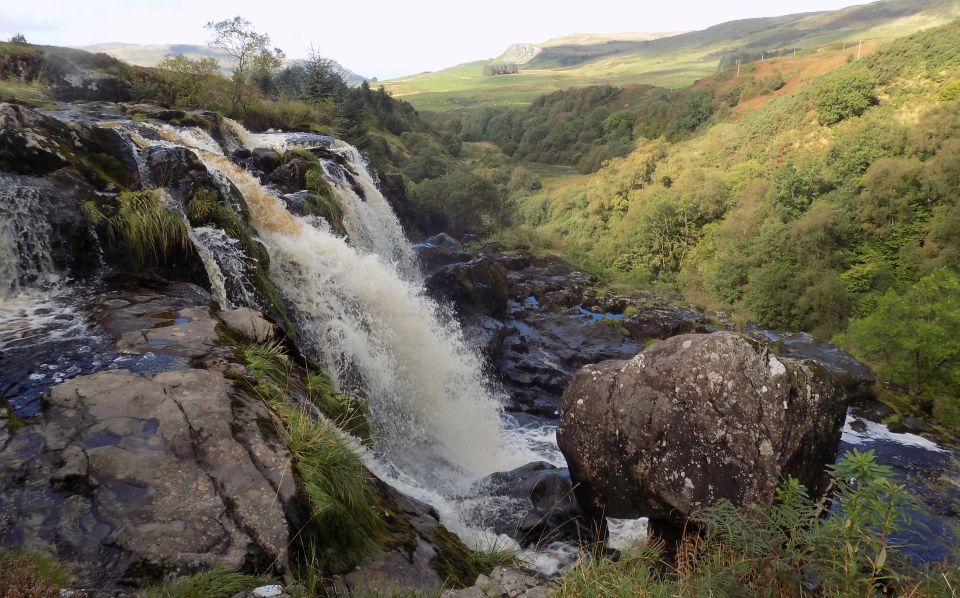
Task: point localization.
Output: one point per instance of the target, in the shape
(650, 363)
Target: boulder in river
(695, 419)
(479, 286)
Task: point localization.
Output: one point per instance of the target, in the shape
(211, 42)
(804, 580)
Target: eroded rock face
(694, 419)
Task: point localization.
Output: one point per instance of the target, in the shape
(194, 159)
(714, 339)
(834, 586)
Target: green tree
(253, 58)
(189, 83)
(694, 110)
(913, 338)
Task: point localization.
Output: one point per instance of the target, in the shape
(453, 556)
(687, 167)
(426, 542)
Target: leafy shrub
(845, 95)
(695, 109)
(913, 338)
(776, 550)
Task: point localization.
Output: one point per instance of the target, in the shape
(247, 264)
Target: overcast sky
(382, 38)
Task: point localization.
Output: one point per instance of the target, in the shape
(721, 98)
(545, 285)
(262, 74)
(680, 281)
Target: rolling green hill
(667, 61)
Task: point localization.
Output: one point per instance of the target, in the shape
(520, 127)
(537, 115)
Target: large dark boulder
(80, 84)
(31, 142)
(438, 251)
(265, 159)
(476, 287)
(291, 176)
(695, 419)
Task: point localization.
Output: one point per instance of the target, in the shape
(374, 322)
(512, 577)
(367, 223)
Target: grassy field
(673, 61)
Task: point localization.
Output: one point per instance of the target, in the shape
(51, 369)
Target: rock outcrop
(695, 419)
(538, 507)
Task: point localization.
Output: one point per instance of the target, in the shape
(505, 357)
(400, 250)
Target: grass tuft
(201, 205)
(268, 361)
(216, 583)
(152, 232)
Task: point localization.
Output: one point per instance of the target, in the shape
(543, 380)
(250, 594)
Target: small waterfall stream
(25, 239)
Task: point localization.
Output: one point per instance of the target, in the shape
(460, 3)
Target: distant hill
(660, 59)
(152, 54)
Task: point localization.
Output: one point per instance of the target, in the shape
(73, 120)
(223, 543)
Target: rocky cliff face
(520, 53)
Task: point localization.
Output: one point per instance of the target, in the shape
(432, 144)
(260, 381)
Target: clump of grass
(344, 524)
(215, 583)
(31, 574)
(269, 361)
(152, 232)
(498, 555)
(202, 205)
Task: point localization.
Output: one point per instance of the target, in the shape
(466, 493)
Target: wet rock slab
(128, 474)
(172, 471)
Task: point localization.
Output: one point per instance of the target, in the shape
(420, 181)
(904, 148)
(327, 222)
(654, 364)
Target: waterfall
(363, 313)
(430, 408)
(372, 226)
(25, 250)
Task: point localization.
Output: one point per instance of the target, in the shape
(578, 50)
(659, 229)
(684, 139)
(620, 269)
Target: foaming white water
(25, 239)
(34, 317)
(218, 284)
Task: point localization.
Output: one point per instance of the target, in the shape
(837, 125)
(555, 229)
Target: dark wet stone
(543, 508)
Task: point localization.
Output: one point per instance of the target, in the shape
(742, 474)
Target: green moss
(267, 293)
(192, 119)
(323, 202)
(302, 153)
(459, 566)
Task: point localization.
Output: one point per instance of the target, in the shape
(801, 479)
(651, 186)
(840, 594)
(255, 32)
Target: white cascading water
(25, 249)
(230, 264)
(372, 226)
(430, 408)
